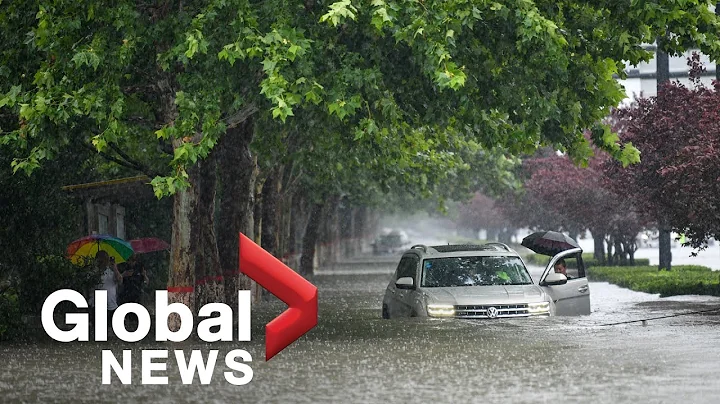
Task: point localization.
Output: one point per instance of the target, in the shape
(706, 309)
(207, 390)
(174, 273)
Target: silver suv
(482, 281)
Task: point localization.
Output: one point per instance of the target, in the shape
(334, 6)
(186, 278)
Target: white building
(641, 79)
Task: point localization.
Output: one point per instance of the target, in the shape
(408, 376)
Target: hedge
(588, 259)
(681, 280)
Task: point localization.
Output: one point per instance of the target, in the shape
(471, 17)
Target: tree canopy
(678, 176)
(378, 95)
(134, 77)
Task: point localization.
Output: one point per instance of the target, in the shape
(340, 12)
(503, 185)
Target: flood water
(353, 356)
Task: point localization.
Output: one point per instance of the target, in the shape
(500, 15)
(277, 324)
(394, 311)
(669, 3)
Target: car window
(574, 267)
(407, 267)
(474, 271)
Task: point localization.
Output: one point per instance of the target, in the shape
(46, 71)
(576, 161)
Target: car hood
(496, 294)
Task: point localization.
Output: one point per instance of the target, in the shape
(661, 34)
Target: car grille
(481, 311)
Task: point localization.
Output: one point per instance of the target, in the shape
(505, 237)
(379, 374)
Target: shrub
(588, 259)
(591, 262)
(10, 317)
(681, 280)
(51, 273)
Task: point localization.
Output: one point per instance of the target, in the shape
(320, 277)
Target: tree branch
(144, 121)
(291, 184)
(165, 147)
(138, 166)
(240, 116)
(107, 156)
(126, 162)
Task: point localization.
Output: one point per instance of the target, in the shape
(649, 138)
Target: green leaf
(269, 65)
(339, 11)
(610, 138)
(26, 111)
(170, 185)
(11, 96)
(86, 58)
(630, 155)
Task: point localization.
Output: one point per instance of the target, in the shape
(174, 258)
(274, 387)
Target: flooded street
(355, 356)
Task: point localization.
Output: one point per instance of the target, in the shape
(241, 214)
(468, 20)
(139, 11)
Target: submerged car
(482, 281)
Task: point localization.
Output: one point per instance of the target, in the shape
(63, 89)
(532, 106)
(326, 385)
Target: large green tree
(156, 84)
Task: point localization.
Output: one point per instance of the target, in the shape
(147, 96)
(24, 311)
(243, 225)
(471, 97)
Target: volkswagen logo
(492, 312)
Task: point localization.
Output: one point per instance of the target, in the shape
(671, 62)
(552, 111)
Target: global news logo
(216, 324)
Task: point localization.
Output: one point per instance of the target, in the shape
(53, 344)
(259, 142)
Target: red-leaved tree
(678, 178)
(481, 212)
(559, 195)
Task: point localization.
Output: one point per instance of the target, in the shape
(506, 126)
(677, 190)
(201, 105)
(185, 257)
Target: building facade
(642, 79)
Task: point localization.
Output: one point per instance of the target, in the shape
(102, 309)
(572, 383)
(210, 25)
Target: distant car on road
(391, 242)
(482, 282)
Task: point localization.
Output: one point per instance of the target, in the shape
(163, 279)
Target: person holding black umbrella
(549, 242)
(134, 277)
(561, 268)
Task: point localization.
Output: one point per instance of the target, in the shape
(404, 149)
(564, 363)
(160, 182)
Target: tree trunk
(310, 239)
(610, 257)
(288, 199)
(181, 279)
(270, 194)
(209, 283)
(663, 75)
(299, 219)
(332, 229)
(619, 252)
(285, 202)
(346, 229)
(237, 177)
(664, 247)
(194, 277)
(257, 211)
(630, 248)
(506, 236)
(599, 247)
(359, 228)
(293, 215)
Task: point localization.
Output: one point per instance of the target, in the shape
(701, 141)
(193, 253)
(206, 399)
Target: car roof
(462, 250)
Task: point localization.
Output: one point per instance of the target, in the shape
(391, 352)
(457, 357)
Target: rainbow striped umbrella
(86, 248)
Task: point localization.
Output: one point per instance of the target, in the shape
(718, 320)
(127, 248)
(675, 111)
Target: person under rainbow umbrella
(84, 249)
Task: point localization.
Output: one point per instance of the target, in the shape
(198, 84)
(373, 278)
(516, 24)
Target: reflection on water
(355, 356)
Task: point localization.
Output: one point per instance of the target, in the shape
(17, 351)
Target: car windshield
(474, 271)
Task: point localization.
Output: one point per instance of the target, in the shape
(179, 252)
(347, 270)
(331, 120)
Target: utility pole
(663, 76)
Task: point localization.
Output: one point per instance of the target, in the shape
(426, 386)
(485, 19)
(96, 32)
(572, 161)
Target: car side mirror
(405, 282)
(555, 278)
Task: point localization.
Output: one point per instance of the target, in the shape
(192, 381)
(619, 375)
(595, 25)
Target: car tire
(385, 313)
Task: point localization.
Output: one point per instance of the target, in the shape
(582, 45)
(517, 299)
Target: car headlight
(539, 308)
(441, 310)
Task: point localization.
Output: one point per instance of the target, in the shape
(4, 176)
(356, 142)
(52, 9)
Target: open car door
(571, 298)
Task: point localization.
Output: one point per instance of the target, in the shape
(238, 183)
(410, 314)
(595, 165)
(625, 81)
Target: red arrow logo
(299, 294)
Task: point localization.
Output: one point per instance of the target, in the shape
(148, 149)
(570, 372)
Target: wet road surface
(353, 356)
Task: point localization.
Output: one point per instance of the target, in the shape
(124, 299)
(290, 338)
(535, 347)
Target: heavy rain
(359, 202)
(355, 356)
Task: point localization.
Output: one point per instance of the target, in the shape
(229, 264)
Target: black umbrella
(549, 242)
